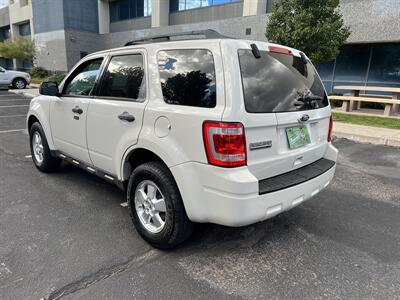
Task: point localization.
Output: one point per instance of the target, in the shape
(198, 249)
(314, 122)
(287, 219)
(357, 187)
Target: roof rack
(189, 35)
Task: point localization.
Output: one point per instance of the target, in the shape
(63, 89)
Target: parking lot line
(12, 116)
(13, 106)
(13, 130)
(15, 99)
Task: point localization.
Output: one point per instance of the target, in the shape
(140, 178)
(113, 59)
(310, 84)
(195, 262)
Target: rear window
(188, 77)
(279, 83)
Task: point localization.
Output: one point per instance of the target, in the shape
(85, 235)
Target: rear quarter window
(279, 83)
(188, 77)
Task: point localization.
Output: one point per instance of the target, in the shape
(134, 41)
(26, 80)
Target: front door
(116, 111)
(69, 111)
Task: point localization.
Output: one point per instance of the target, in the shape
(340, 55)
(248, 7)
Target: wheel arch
(135, 157)
(32, 119)
(39, 112)
(18, 77)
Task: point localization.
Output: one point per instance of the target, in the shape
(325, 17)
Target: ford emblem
(304, 118)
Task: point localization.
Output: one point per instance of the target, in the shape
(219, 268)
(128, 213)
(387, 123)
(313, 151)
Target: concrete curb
(368, 139)
(25, 93)
(367, 134)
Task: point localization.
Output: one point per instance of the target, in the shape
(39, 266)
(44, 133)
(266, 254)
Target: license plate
(297, 137)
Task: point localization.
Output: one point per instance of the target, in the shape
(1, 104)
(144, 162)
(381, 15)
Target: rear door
(286, 110)
(115, 114)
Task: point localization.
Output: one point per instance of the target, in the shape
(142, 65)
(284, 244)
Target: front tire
(40, 150)
(156, 206)
(19, 83)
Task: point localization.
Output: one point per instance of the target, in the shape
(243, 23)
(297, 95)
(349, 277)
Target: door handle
(125, 116)
(77, 110)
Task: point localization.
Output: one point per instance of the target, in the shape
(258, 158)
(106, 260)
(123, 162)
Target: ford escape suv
(195, 128)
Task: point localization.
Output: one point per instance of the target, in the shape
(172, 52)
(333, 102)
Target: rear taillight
(330, 129)
(225, 144)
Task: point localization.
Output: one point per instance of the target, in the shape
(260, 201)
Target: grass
(367, 120)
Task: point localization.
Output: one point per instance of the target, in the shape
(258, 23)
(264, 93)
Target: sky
(3, 3)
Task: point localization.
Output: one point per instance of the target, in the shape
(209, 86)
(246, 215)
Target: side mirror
(49, 88)
(2, 70)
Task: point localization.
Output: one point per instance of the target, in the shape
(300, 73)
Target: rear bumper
(231, 196)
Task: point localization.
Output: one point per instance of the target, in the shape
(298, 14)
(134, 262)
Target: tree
(313, 26)
(20, 48)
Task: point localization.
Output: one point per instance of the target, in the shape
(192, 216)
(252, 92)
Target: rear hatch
(286, 107)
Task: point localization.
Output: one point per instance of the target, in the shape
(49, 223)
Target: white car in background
(16, 79)
(215, 130)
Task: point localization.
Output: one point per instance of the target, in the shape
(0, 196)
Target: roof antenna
(255, 51)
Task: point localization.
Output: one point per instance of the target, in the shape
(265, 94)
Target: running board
(89, 168)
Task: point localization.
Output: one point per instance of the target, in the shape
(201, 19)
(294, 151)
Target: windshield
(278, 82)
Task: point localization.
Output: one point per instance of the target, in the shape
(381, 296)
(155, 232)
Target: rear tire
(40, 150)
(172, 226)
(19, 83)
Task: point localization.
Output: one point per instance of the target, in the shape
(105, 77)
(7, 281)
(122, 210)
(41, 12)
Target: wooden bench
(389, 103)
(353, 101)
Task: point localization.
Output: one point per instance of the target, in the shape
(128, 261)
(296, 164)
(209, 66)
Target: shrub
(313, 26)
(39, 72)
(58, 77)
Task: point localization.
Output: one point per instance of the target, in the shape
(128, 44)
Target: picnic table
(353, 101)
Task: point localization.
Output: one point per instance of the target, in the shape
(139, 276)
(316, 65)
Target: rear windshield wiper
(307, 100)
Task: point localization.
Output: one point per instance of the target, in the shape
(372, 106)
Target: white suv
(195, 128)
(16, 79)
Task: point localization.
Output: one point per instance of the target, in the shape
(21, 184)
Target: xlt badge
(260, 145)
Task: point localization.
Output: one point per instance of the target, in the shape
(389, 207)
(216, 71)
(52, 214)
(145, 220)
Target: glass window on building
(5, 33)
(179, 5)
(129, 9)
(352, 63)
(25, 29)
(385, 64)
(370, 65)
(188, 77)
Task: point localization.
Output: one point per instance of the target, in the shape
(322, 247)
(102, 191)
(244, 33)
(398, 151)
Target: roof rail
(189, 35)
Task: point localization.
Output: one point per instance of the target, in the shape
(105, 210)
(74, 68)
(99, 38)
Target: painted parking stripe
(13, 130)
(15, 99)
(28, 156)
(13, 116)
(13, 106)
(124, 204)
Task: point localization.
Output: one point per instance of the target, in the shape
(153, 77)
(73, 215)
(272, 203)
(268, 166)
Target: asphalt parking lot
(66, 235)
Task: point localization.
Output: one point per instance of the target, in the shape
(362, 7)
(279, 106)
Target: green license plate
(297, 137)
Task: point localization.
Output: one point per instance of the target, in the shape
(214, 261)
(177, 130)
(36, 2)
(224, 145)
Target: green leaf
(20, 48)
(312, 26)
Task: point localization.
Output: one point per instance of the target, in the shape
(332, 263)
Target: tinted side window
(82, 81)
(188, 77)
(124, 78)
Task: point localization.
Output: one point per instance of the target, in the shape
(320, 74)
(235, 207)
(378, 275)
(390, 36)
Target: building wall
(4, 17)
(132, 24)
(47, 15)
(79, 41)
(51, 52)
(372, 20)
(206, 14)
(235, 27)
(81, 15)
(64, 28)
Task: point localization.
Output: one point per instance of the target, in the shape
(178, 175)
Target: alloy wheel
(37, 146)
(150, 206)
